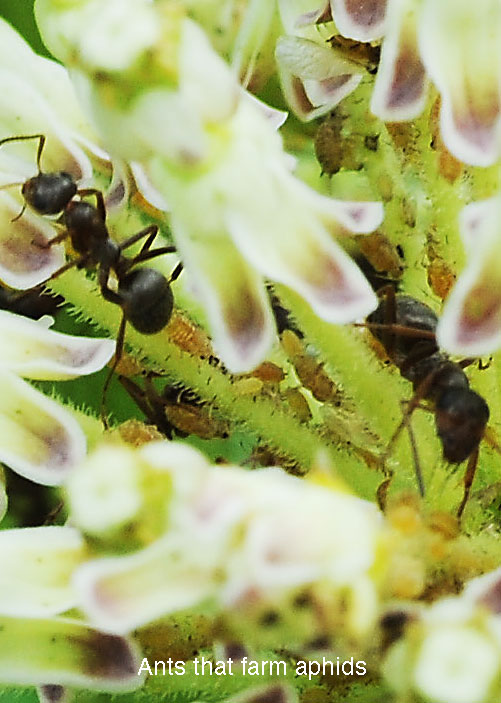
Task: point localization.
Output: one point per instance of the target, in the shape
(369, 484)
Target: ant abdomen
(147, 300)
(49, 193)
(461, 416)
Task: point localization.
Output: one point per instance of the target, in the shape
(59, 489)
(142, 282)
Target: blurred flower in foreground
(471, 321)
(36, 646)
(64, 652)
(161, 95)
(453, 42)
(452, 652)
(240, 539)
(39, 439)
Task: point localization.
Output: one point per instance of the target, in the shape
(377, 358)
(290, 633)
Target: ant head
(147, 300)
(461, 416)
(49, 193)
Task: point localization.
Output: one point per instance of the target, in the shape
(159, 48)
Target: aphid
(381, 254)
(173, 410)
(143, 294)
(310, 372)
(335, 146)
(361, 53)
(406, 328)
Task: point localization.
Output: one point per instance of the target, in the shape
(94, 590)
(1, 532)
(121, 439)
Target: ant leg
(137, 394)
(56, 274)
(413, 404)
(101, 208)
(150, 232)
(158, 406)
(22, 138)
(145, 254)
(55, 240)
(415, 456)
(464, 363)
(152, 254)
(108, 294)
(118, 355)
(149, 402)
(176, 273)
(471, 469)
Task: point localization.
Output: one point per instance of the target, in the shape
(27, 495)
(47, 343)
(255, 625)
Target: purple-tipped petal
(25, 260)
(363, 20)
(235, 299)
(471, 321)
(33, 351)
(314, 79)
(301, 253)
(401, 86)
(38, 438)
(53, 693)
(62, 652)
(461, 52)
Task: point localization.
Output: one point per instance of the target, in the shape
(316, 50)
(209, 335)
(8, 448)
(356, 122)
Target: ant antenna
(20, 214)
(25, 137)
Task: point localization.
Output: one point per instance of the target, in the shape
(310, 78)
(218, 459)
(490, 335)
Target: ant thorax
(409, 313)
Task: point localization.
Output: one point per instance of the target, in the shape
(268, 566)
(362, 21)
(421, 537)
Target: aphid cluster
(143, 294)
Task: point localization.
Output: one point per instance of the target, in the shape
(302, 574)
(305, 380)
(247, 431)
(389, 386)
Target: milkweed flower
(453, 43)
(238, 539)
(40, 439)
(471, 320)
(39, 646)
(66, 652)
(161, 95)
(451, 651)
(36, 97)
(314, 79)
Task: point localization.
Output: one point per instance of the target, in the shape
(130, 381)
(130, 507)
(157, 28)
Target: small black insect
(406, 328)
(143, 294)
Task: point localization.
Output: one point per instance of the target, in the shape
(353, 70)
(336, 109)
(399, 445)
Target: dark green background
(20, 14)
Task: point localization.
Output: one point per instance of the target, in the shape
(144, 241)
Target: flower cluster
(451, 652)
(159, 534)
(244, 541)
(237, 212)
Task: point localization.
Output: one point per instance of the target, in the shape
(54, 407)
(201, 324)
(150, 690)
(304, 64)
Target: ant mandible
(406, 328)
(143, 294)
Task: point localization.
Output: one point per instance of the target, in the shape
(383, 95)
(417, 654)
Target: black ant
(406, 328)
(144, 294)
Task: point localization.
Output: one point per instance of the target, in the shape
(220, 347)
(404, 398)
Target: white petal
(38, 438)
(25, 260)
(33, 351)
(363, 20)
(36, 567)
